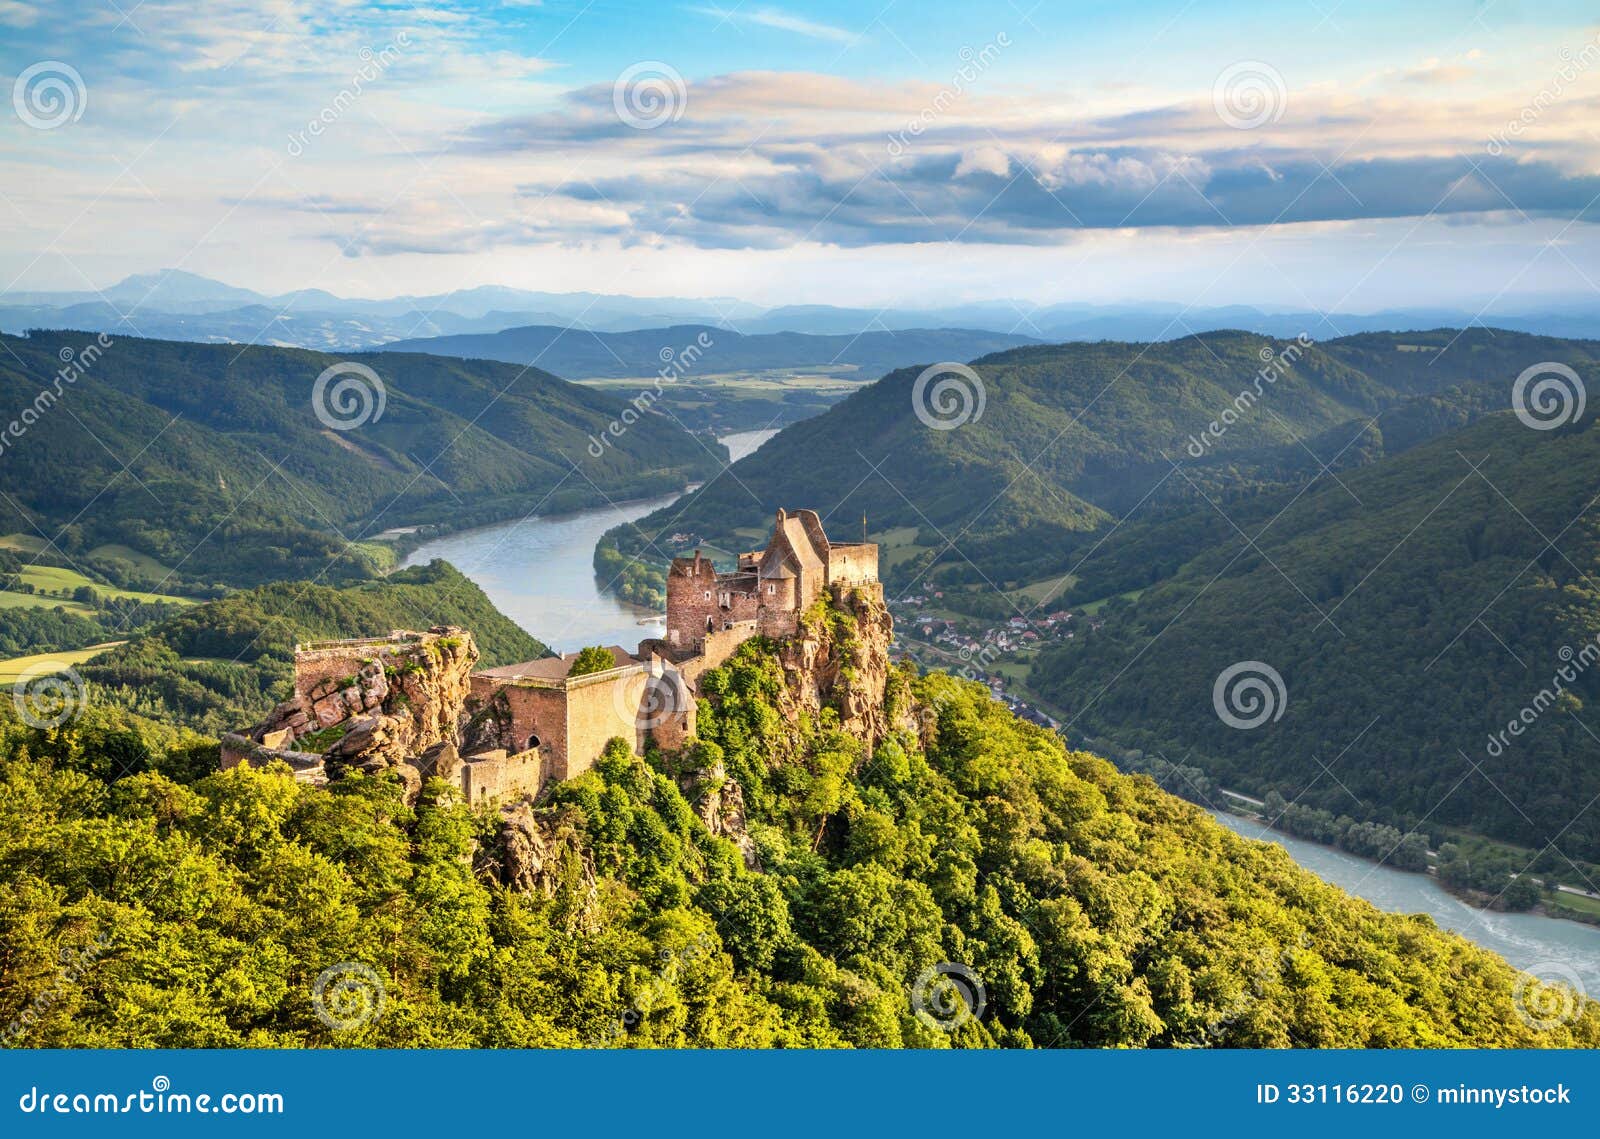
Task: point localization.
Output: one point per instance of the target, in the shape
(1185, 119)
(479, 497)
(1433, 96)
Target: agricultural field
(12, 670)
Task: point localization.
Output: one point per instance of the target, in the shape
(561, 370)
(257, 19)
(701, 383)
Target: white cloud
(16, 14)
(780, 21)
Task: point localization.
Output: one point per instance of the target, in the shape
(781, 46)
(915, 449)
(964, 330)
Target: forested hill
(221, 665)
(1068, 437)
(582, 354)
(1070, 906)
(214, 460)
(1413, 608)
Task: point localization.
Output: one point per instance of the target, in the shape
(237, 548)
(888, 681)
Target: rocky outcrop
(386, 704)
(537, 852)
(840, 659)
(425, 691)
(718, 800)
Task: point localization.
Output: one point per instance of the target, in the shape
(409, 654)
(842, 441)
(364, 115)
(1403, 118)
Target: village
(997, 653)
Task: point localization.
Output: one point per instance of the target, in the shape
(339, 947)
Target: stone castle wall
(691, 602)
(857, 562)
(599, 707)
(496, 775)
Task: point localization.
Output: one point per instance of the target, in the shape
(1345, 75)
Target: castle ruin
(416, 703)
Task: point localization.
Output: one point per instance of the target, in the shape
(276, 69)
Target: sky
(1328, 154)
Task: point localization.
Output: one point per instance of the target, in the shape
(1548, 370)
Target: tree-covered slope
(1087, 907)
(1070, 437)
(578, 353)
(220, 461)
(1414, 608)
(221, 665)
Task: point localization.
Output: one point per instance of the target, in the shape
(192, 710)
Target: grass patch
(57, 579)
(11, 670)
(144, 563)
(25, 543)
(1042, 592)
(1095, 606)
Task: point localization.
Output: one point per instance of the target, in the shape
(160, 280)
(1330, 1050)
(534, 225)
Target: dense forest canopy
(242, 469)
(1413, 609)
(221, 665)
(1074, 905)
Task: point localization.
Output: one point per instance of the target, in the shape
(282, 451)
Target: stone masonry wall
(600, 707)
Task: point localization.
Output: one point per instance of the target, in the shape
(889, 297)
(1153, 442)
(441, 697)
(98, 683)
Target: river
(1546, 946)
(540, 573)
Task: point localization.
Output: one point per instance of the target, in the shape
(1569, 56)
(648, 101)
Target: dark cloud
(927, 200)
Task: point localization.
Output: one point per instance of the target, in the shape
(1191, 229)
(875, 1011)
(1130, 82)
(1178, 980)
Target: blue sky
(1302, 154)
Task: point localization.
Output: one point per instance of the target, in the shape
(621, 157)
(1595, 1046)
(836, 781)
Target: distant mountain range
(583, 354)
(179, 305)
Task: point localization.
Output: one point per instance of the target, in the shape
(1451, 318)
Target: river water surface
(540, 573)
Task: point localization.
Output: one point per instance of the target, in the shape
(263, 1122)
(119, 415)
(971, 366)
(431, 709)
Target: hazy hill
(580, 354)
(1458, 579)
(1072, 436)
(212, 459)
(223, 664)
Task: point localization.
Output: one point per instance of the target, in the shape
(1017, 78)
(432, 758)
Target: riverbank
(1528, 940)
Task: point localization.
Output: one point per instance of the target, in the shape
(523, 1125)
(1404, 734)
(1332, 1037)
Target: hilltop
(584, 354)
(962, 881)
(217, 463)
(1413, 608)
(1057, 442)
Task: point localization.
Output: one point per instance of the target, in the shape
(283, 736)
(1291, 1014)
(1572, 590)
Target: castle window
(708, 595)
(772, 589)
(533, 742)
